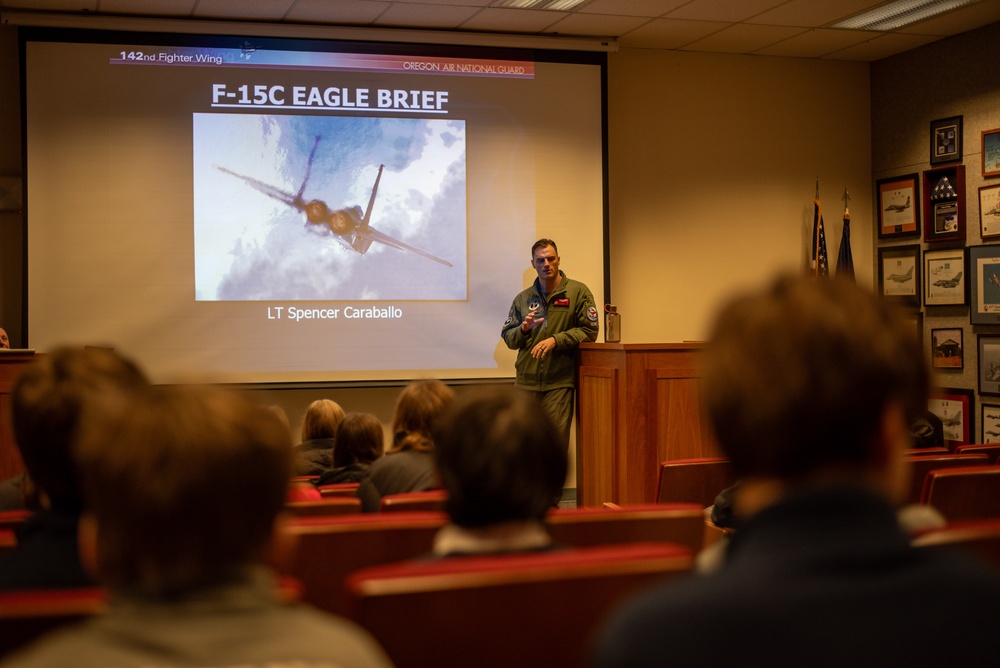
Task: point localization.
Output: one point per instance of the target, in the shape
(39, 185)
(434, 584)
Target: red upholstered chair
(339, 489)
(27, 615)
(10, 519)
(524, 610)
(964, 493)
(333, 505)
(980, 538)
(991, 450)
(929, 451)
(302, 491)
(694, 480)
(328, 548)
(8, 540)
(431, 500)
(920, 465)
(681, 523)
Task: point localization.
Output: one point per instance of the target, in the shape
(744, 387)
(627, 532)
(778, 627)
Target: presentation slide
(265, 211)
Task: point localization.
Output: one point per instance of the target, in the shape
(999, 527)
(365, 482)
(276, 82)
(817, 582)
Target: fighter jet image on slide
(902, 278)
(899, 208)
(350, 225)
(949, 282)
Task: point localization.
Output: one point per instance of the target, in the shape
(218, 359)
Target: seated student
(502, 462)
(359, 442)
(184, 493)
(47, 404)
(315, 454)
(409, 464)
(811, 387)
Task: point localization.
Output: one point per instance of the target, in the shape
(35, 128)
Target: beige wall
(713, 162)
(953, 77)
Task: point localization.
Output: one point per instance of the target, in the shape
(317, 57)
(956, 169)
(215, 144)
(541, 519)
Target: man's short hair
(360, 439)
(185, 485)
(417, 407)
(499, 457)
(47, 405)
(797, 376)
(542, 243)
(322, 419)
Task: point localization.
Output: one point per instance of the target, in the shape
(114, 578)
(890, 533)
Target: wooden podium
(637, 405)
(12, 362)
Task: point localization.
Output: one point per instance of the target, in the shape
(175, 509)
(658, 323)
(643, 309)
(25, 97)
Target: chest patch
(534, 304)
(562, 301)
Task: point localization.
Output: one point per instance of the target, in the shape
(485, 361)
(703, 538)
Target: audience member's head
(322, 419)
(809, 378)
(359, 440)
(418, 406)
(500, 458)
(47, 404)
(183, 489)
(4, 341)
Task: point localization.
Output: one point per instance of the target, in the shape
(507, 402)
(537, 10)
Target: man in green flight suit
(545, 324)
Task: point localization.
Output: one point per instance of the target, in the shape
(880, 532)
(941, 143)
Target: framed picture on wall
(989, 364)
(947, 351)
(944, 278)
(991, 152)
(954, 408)
(898, 206)
(990, 419)
(946, 140)
(899, 274)
(989, 211)
(984, 284)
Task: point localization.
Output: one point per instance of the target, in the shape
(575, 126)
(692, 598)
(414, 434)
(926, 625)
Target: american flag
(820, 261)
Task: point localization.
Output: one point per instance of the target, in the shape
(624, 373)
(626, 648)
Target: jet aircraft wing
(291, 200)
(382, 238)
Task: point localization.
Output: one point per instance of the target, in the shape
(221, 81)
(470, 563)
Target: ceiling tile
(723, 10)
(271, 10)
(52, 5)
(650, 8)
(596, 25)
(812, 13)
(960, 20)
(512, 20)
(881, 47)
(669, 33)
(442, 17)
(453, 3)
(342, 12)
(815, 43)
(151, 7)
(742, 38)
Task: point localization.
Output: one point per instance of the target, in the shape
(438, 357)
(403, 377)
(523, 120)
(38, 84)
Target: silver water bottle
(612, 324)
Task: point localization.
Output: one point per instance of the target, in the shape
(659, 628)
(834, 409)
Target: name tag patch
(562, 301)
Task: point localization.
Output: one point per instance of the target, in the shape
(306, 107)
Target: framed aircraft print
(991, 152)
(954, 408)
(944, 278)
(989, 364)
(899, 274)
(898, 206)
(947, 351)
(989, 211)
(984, 284)
(990, 419)
(946, 140)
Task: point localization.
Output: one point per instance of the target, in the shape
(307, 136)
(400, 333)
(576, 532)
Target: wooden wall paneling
(596, 435)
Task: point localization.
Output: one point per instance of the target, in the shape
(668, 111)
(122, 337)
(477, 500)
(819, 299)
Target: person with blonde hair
(314, 456)
(409, 463)
(184, 491)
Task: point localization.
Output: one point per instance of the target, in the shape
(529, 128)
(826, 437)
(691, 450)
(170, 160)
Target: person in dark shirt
(359, 442)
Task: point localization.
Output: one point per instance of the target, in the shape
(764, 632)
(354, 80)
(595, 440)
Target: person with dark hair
(810, 387)
(185, 490)
(409, 464)
(502, 462)
(546, 322)
(314, 456)
(359, 443)
(49, 402)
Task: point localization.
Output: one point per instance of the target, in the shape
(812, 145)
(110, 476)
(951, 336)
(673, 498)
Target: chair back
(979, 538)
(10, 519)
(680, 523)
(964, 493)
(332, 505)
(339, 489)
(525, 610)
(329, 548)
(991, 450)
(920, 465)
(27, 615)
(428, 500)
(694, 480)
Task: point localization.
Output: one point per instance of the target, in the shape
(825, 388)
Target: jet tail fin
(371, 202)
